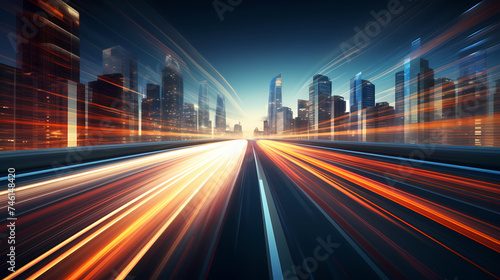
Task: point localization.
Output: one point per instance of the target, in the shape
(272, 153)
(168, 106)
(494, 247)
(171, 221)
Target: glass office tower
(172, 99)
(320, 91)
(275, 92)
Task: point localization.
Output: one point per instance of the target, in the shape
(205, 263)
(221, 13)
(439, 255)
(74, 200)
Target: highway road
(255, 210)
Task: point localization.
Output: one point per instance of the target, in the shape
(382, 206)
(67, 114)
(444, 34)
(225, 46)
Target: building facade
(172, 100)
(319, 111)
(274, 104)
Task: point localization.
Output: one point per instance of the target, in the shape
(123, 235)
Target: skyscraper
(189, 123)
(220, 115)
(50, 101)
(362, 94)
(284, 121)
(302, 109)
(275, 92)
(151, 114)
(54, 49)
(419, 81)
(108, 111)
(399, 119)
(238, 130)
(7, 106)
(320, 91)
(496, 115)
(472, 103)
(203, 108)
(383, 123)
(338, 112)
(118, 60)
(172, 99)
(444, 107)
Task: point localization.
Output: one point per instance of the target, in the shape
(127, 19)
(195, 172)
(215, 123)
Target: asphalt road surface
(254, 210)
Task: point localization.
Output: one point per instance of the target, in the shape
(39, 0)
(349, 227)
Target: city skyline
(297, 76)
(141, 78)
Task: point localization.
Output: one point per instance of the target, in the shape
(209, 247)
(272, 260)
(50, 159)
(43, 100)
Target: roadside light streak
(129, 267)
(454, 220)
(116, 166)
(207, 165)
(94, 264)
(103, 219)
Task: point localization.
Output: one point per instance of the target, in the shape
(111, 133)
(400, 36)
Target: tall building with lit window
(275, 92)
(399, 119)
(118, 60)
(472, 95)
(7, 106)
(418, 84)
(338, 114)
(284, 122)
(189, 122)
(151, 114)
(301, 122)
(220, 115)
(383, 123)
(50, 101)
(302, 109)
(496, 115)
(444, 126)
(109, 111)
(172, 99)
(203, 108)
(362, 94)
(320, 91)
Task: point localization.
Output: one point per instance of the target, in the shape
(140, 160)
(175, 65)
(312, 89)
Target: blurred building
(266, 127)
(238, 130)
(362, 93)
(8, 86)
(302, 106)
(284, 123)
(257, 133)
(320, 91)
(443, 129)
(338, 112)
(418, 84)
(172, 99)
(220, 115)
(50, 101)
(189, 123)
(203, 109)
(496, 115)
(399, 119)
(109, 111)
(119, 60)
(472, 96)
(383, 123)
(275, 92)
(151, 114)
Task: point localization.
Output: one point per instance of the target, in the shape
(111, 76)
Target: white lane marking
(271, 240)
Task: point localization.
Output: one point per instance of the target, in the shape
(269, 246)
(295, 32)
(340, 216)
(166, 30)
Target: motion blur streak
(123, 209)
(305, 165)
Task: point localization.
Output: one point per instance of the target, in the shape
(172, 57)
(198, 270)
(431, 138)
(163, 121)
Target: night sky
(259, 39)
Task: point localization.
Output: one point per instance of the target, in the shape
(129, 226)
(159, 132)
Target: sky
(256, 40)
